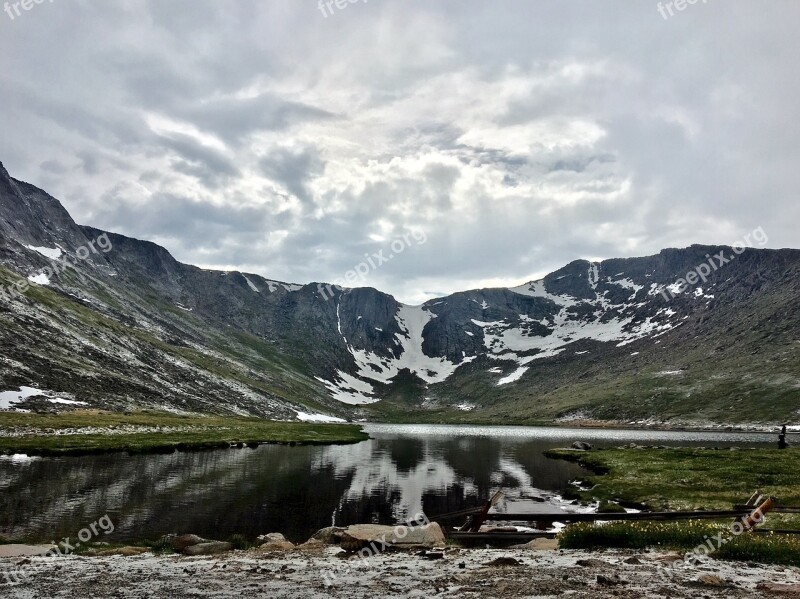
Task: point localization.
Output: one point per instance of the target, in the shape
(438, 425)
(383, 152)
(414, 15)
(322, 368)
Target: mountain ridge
(146, 330)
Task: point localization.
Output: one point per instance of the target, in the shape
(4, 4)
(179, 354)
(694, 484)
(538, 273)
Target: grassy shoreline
(88, 432)
(687, 479)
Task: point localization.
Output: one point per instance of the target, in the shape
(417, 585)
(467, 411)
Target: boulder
(504, 562)
(15, 550)
(583, 446)
(780, 590)
(541, 545)
(313, 546)
(180, 543)
(359, 536)
(274, 541)
(330, 535)
(208, 548)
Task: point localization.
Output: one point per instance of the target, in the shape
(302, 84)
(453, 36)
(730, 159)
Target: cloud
(518, 137)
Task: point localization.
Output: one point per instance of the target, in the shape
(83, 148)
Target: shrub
(239, 542)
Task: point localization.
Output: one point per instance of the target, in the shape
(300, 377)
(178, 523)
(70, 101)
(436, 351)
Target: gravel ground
(459, 573)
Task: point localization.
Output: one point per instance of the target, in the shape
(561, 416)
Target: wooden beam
(566, 517)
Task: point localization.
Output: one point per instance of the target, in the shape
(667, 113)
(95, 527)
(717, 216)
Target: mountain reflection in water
(276, 488)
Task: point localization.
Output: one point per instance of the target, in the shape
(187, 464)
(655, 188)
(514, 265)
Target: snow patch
(40, 279)
(9, 399)
(513, 377)
(318, 418)
(251, 284)
(51, 253)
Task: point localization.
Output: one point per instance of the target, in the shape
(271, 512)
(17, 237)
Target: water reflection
(294, 490)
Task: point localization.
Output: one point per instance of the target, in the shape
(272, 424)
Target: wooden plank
(561, 517)
(501, 536)
(459, 514)
(758, 515)
(475, 523)
(778, 509)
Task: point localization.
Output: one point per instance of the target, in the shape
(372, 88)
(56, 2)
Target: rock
(208, 548)
(782, 590)
(180, 543)
(712, 580)
(313, 545)
(671, 558)
(541, 545)
(592, 563)
(273, 541)
(25, 550)
(583, 446)
(635, 561)
(273, 537)
(504, 562)
(610, 580)
(330, 535)
(377, 537)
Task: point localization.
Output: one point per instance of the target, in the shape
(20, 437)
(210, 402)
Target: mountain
(117, 323)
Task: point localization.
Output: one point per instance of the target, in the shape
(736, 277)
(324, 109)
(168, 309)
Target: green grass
(689, 478)
(684, 536)
(638, 535)
(201, 432)
(686, 479)
(772, 549)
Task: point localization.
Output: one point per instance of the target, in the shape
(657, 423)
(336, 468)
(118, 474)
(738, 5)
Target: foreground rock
(360, 536)
(25, 550)
(208, 548)
(182, 542)
(274, 541)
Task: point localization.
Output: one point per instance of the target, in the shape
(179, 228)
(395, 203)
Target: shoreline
(80, 432)
(91, 433)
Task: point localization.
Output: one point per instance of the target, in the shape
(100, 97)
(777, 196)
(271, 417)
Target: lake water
(298, 490)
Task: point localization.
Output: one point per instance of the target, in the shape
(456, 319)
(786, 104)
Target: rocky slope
(125, 325)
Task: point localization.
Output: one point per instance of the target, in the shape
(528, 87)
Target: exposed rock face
(132, 327)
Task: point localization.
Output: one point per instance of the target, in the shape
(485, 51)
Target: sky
(434, 146)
